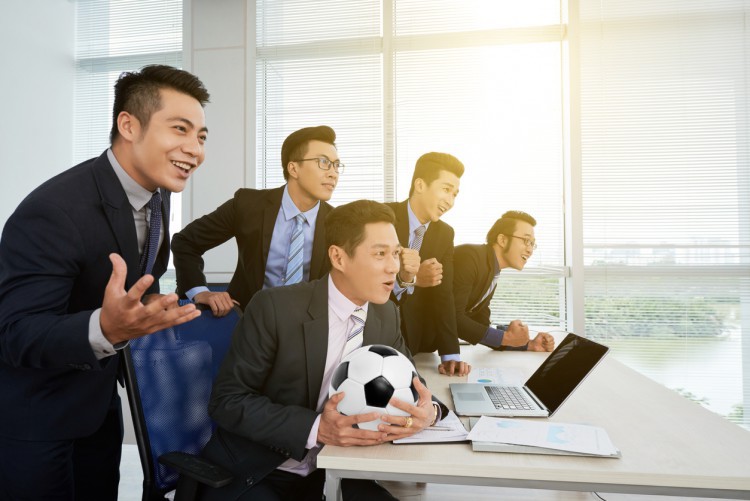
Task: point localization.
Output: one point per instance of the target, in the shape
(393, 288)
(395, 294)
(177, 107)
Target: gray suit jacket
(265, 396)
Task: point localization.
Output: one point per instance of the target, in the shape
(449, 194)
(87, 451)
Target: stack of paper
(449, 429)
(540, 437)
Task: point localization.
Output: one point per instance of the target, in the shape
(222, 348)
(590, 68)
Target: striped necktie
(416, 244)
(355, 336)
(294, 260)
(154, 231)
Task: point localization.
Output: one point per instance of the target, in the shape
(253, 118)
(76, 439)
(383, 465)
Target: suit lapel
(430, 241)
(402, 222)
(316, 340)
(319, 251)
(119, 213)
(163, 258)
(270, 213)
(372, 328)
(486, 264)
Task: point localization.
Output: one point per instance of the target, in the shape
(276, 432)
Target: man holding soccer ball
(270, 398)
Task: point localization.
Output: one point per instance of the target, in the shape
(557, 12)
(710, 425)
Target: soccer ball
(369, 376)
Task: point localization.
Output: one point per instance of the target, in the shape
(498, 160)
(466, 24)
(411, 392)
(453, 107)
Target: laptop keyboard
(508, 397)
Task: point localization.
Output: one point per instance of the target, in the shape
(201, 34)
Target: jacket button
(249, 481)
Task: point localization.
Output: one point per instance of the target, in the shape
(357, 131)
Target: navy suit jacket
(265, 395)
(54, 267)
(249, 217)
(428, 316)
(474, 270)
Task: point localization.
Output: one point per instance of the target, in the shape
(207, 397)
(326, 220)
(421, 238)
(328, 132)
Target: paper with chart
(506, 376)
(550, 435)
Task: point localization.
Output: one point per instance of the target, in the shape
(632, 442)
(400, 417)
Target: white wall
(36, 83)
(219, 47)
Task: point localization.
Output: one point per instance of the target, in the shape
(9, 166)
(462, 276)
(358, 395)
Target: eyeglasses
(528, 242)
(325, 164)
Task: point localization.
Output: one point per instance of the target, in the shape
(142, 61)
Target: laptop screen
(564, 369)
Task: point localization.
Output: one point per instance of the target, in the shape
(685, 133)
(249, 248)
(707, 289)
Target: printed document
(546, 434)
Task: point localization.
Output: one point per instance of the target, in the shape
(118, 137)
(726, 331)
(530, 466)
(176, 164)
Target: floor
(131, 478)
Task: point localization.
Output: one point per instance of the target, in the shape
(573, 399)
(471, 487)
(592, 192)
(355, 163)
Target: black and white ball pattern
(370, 376)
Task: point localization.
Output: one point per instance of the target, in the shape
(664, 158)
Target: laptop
(543, 393)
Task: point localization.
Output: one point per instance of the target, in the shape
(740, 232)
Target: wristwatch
(403, 284)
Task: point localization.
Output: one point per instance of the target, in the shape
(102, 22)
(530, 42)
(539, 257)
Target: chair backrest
(169, 375)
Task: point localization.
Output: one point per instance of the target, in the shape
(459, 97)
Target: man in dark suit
(264, 223)
(510, 244)
(270, 398)
(66, 311)
(425, 282)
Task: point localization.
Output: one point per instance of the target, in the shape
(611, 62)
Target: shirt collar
(341, 306)
(138, 196)
(413, 220)
(291, 210)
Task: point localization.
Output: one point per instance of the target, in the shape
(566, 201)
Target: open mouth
(186, 167)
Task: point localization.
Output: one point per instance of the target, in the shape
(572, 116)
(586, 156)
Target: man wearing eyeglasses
(510, 244)
(280, 232)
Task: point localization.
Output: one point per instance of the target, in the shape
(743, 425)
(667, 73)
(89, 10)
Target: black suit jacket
(428, 316)
(474, 267)
(249, 217)
(54, 266)
(265, 396)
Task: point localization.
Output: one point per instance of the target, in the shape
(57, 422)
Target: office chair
(168, 376)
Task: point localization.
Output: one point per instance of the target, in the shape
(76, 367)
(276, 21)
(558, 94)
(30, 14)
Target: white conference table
(670, 445)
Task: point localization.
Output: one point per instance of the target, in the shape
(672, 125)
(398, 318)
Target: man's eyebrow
(384, 246)
(188, 123)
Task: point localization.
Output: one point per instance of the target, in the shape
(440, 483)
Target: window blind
(112, 37)
(481, 80)
(666, 189)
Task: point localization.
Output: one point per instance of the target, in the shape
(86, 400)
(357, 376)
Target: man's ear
(419, 185)
(336, 254)
(291, 169)
(128, 126)
(502, 240)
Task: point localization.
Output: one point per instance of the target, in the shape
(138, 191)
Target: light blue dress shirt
(282, 237)
(280, 240)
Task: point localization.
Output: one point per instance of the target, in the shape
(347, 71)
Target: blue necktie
(154, 230)
(294, 260)
(416, 244)
(355, 336)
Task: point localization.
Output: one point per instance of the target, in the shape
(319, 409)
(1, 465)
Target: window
(666, 188)
(661, 95)
(479, 79)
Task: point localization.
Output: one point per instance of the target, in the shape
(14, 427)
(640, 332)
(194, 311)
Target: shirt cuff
(312, 438)
(494, 336)
(438, 412)
(196, 290)
(99, 344)
(454, 357)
